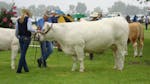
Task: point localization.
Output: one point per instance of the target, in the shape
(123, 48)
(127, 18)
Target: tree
(81, 8)
(41, 9)
(33, 9)
(126, 9)
(98, 9)
(4, 5)
(72, 9)
(143, 1)
(118, 7)
(51, 7)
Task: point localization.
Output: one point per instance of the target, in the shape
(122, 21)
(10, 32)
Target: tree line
(82, 8)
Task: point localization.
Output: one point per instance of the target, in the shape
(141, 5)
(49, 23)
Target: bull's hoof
(115, 67)
(81, 70)
(59, 49)
(141, 55)
(135, 56)
(73, 69)
(13, 68)
(120, 69)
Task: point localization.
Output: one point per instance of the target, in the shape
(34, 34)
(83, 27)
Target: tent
(64, 18)
(59, 12)
(78, 15)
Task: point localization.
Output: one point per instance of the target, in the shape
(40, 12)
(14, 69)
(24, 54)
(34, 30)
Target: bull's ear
(47, 27)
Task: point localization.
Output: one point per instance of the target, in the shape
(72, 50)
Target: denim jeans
(46, 49)
(146, 26)
(24, 44)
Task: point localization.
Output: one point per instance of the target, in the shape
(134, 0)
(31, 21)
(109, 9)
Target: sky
(64, 4)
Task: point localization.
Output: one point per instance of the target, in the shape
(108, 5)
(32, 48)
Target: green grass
(98, 71)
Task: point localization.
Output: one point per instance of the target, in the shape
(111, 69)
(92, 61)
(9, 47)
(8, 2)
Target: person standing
(46, 46)
(23, 33)
(95, 16)
(135, 18)
(55, 19)
(128, 19)
(146, 22)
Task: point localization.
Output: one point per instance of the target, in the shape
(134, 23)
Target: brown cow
(136, 37)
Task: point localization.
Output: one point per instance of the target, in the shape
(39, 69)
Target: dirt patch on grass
(134, 62)
(147, 62)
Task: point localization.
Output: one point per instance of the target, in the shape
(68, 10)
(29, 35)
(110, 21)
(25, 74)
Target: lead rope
(34, 47)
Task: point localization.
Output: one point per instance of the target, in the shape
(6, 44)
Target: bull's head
(40, 35)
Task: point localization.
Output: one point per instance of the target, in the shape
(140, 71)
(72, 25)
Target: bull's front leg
(75, 60)
(120, 57)
(135, 49)
(81, 60)
(126, 49)
(14, 52)
(80, 55)
(114, 48)
(141, 48)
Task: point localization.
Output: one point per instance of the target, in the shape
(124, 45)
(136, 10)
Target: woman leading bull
(23, 33)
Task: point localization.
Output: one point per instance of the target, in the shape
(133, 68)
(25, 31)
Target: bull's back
(97, 36)
(136, 31)
(111, 32)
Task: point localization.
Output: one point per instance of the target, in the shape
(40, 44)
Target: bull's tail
(141, 33)
(141, 40)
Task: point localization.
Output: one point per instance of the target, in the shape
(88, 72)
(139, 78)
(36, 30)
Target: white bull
(8, 41)
(76, 38)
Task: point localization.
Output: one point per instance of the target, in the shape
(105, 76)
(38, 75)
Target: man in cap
(53, 16)
(46, 46)
(55, 19)
(95, 16)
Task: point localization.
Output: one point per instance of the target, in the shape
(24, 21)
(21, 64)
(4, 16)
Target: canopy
(64, 18)
(59, 12)
(78, 15)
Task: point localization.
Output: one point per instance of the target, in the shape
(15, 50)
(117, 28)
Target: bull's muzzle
(36, 37)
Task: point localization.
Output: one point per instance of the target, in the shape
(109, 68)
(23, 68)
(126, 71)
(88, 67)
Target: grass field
(98, 71)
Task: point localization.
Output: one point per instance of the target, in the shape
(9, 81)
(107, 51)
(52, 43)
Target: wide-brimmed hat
(47, 13)
(27, 12)
(53, 11)
(94, 14)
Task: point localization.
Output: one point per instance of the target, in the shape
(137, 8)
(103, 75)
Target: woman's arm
(29, 26)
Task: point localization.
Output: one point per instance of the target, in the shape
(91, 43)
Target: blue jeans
(146, 26)
(24, 44)
(46, 49)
